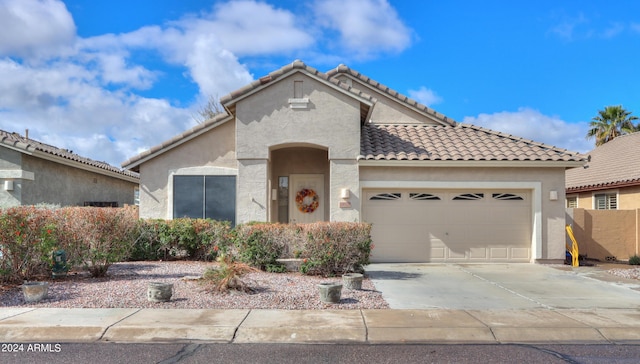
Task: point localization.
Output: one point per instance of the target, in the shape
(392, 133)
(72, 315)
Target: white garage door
(449, 225)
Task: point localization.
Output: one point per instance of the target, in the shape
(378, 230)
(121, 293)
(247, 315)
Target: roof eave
(468, 163)
(603, 186)
(140, 159)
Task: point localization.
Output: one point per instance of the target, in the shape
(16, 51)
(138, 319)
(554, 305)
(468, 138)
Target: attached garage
(458, 225)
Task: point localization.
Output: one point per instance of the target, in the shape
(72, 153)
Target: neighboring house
(34, 173)
(610, 180)
(299, 145)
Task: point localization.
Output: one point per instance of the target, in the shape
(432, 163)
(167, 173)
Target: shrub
(634, 260)
(27, 241)
(97, 237)
(334, 248)
(228, 275)
(260, 245)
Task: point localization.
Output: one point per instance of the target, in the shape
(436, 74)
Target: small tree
(210, 110)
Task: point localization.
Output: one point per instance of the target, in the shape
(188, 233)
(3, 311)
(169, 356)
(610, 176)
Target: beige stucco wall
(209, 153)
(63, 185)
(10, 168)
(265, 121)
(603, 234)
(552, 218)
(628, 198)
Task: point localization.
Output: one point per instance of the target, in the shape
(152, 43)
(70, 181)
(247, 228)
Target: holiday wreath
(307, 200)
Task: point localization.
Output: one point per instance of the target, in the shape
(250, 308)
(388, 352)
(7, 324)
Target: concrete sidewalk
(125, 325)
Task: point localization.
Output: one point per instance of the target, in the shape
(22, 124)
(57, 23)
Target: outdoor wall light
(345, 193)
(8, 185)
(553, 195)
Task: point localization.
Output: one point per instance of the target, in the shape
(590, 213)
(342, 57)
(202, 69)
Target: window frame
(608, 202)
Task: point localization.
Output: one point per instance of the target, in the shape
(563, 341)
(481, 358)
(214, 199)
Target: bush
(228, 275)
(260, 245)
(634, 260)
(27, 241)
(198, 239)
(334, 248)
(97, 237)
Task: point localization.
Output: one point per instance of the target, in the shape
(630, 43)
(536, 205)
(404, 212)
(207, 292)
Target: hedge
(94, 238)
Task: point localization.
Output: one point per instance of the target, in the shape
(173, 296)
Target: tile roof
(29, 145)
(285, 70)
(613, 164)
(463, 142)
(342, 69)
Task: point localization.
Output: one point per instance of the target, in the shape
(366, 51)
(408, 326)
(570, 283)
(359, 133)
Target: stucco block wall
(550, 179)
(55, 183)
(210, 153)
(603, 234)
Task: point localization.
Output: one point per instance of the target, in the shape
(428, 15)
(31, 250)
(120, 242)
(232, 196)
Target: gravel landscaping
(126, 287)
(630, 273)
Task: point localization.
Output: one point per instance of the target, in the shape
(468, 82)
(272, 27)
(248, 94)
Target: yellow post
(573, 249)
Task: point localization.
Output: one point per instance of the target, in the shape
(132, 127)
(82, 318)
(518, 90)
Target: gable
(320, 115)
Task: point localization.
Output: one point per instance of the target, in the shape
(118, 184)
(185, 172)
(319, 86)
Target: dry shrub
(227, 276)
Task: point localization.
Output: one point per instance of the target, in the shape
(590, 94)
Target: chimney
(26, 134)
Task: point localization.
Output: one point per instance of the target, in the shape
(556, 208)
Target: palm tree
(610, 123)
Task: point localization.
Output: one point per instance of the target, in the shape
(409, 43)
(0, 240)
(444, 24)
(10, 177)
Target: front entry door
(306, 198)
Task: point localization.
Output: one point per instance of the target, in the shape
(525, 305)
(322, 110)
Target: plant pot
(35, 291)
(330, 292)
(159, 292)
(352, 280)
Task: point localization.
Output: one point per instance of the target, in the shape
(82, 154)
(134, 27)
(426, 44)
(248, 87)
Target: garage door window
(469, 197)
(212, 197)
(386, 197)
(424, 197)
(507, 197)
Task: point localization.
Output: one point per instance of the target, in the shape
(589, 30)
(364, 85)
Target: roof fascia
(177, 143)
(468, 164)
(602, 187)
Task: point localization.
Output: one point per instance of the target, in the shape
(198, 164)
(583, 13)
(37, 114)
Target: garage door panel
(481, 228)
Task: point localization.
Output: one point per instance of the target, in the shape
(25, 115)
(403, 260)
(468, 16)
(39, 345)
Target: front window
(572, 202)
(605, 201)
(210, 197)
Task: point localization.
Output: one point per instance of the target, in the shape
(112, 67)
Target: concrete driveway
(501, 286)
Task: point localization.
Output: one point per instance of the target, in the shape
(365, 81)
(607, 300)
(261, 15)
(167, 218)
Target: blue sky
(110, 79)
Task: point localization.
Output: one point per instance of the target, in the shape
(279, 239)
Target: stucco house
(34, 173)
(610, 180)
(300, 145)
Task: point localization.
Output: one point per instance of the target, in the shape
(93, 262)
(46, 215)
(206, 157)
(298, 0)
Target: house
(603, 200)
(34, 173)
(610, 180)
(300, 145)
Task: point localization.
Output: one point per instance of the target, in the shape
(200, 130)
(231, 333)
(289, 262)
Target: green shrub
(28, 238)
(634, 260)
(260, 245)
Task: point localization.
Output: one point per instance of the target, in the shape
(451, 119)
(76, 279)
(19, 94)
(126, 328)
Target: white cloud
(365, 27)
(425, 96)
(80, 93)
(35, 28)
(532, 124)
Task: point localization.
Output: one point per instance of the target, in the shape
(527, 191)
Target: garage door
(449, 225)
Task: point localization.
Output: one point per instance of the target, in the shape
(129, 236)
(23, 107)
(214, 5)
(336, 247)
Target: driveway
(501, 286)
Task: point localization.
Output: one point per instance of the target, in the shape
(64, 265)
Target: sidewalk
(440, 326)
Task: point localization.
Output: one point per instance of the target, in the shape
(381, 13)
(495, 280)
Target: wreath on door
(307, 200)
